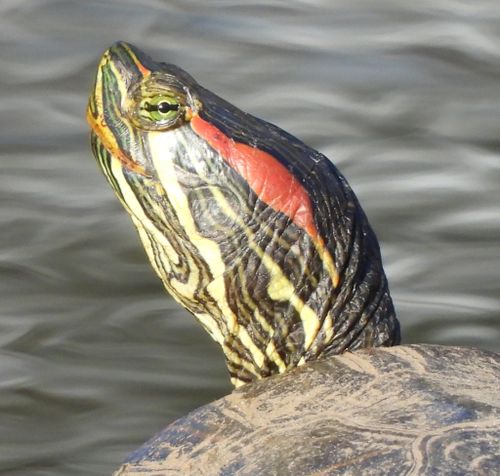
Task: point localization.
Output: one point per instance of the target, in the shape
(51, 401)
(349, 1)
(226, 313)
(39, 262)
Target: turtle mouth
(119, 67)
(102, 135)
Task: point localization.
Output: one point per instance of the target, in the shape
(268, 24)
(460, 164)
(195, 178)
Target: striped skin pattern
(249, 229)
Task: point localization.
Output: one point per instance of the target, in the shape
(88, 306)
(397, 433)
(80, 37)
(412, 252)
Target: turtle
(262, 239)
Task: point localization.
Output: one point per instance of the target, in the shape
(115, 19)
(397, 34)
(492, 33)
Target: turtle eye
(158, 111)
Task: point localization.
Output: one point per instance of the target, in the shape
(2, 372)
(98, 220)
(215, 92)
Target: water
(404, 97)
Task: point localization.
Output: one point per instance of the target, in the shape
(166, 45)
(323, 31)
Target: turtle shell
(416, 409)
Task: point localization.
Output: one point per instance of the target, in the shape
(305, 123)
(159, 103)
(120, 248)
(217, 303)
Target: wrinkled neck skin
(253, 232)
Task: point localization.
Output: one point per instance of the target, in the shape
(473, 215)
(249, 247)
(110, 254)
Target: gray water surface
(403, 96)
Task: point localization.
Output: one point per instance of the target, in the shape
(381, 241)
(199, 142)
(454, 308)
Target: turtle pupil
(165, 107)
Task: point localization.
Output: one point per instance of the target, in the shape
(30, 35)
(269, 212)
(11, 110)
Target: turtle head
(256, 234)
(134, 96)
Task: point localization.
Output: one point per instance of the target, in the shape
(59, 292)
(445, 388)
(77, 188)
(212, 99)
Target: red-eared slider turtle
(264, 242)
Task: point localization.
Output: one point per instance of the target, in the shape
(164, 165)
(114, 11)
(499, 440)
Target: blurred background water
(403, 96)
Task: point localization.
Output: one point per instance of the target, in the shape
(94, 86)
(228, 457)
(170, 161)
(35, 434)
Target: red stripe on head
(272, 182)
